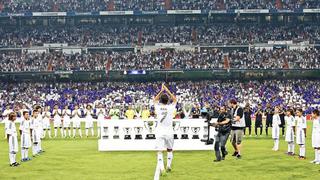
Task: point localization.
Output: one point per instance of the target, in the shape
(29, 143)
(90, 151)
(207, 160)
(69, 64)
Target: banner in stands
(49, 14)
(172, 12)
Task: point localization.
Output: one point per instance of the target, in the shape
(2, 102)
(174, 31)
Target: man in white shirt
(164, 110)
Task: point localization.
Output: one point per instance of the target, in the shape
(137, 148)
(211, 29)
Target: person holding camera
(223, 127)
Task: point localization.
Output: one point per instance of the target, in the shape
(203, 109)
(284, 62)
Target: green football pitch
(80, 159)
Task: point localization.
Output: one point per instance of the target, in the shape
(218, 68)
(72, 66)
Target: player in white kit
(290, 121)
(35, 133)
(101, 112)
(12, 137)
(56, 113)
(89, 120)
(164, 133)
(276, 122)
(46, 116)
(25, 130)
(76, 122)
(301, 132)
(66, 114)
(5, 115)
(316, 136)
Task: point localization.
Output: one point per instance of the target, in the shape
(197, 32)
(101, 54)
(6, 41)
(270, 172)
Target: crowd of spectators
(18, 6)
(192, 96)
(157, 60)
(95, 35)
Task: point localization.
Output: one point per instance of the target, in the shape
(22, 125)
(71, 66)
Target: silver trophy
(176, 126)
(127, 132)
(105, 133)
(151, 127)
(184, 130)
(116, 132)
(195, 131)
(138, 131)
(205, 133)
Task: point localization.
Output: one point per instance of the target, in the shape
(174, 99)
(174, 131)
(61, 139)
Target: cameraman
(223, 127)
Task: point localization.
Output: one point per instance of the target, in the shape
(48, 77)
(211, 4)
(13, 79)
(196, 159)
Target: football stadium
(159, 89)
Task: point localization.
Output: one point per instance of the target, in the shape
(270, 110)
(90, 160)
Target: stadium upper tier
(161, 59)
(92, 35)
(18, 6)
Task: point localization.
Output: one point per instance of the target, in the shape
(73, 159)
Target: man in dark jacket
(223, 127)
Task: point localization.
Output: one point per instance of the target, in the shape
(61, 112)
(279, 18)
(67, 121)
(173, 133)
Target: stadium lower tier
(122, 97)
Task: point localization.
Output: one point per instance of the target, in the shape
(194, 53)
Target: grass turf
(79, 159)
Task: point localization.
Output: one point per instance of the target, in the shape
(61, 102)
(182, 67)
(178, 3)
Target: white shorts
(46, 124)
(25, 140)
(66, 124)
(89, 123)
(289, 135)
(99, 122)
(57, 123)
(315, 139)
(275, 132)
(164, 142)
(13, 144)
(76, 123)
(36, 136)
(300, 136)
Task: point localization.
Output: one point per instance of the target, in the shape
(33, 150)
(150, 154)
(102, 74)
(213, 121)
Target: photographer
(223, 127)
(237, 127)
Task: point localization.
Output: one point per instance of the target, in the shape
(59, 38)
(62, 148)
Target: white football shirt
(165, 115)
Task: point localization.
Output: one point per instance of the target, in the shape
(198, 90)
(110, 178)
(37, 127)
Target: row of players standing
(30, 135)
(268, 112)
(64, 119)
(296, 131)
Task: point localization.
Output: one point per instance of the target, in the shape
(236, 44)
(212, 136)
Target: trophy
(138, 130)
(105, 133)
(176, 126)
(195, 131)
(184, 130)
(205, 133)
(127, 131)
(116, 132)
(150, 126)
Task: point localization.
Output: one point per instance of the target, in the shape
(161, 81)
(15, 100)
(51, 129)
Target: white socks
(55, 132)
(159, 167)
(291, 147)
(276, 145)
(49, 133)
(67, 132)
(61, 131)
(169, 159)
(26, 154)
(39, 146)
(34, 149)
(87, 132)
(92, 132)
(23, 153)
(80, 132)
(12, 157)
(302, 150)
(160, 161)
